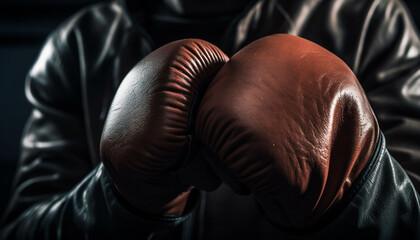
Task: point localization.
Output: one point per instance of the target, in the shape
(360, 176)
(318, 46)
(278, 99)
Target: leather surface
(145, 143)
(373, 208)
(290, 121)
(82, 63)
(89, 204)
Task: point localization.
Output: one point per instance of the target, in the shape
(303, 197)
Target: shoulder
(91, 22)
(97, 17)
(79, 39)
(85, 36)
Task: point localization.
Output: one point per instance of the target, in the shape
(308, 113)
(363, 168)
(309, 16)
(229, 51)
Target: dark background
(24, 25)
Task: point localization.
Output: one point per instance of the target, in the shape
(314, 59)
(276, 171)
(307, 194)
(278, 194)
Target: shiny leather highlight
(290, 120)
(145, 143)
(72, 84)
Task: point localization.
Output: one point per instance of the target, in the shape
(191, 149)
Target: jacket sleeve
(60, 192)
(382, 203)
(389, 71)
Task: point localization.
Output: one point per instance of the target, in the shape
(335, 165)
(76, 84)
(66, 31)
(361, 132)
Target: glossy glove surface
(291, 124)
(147, 146)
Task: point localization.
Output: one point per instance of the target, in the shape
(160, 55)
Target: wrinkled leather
(145, 140)
(360, 217)
(91, 203)
(290, 121)
(82, 63)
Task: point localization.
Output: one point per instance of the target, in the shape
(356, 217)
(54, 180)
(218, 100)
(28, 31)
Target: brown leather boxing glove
(147, 145)
(290, 122)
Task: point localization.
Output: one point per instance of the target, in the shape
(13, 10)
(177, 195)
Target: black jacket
(62, 191)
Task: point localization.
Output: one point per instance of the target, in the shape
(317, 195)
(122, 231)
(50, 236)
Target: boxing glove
(290, 123)
(147, 144)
